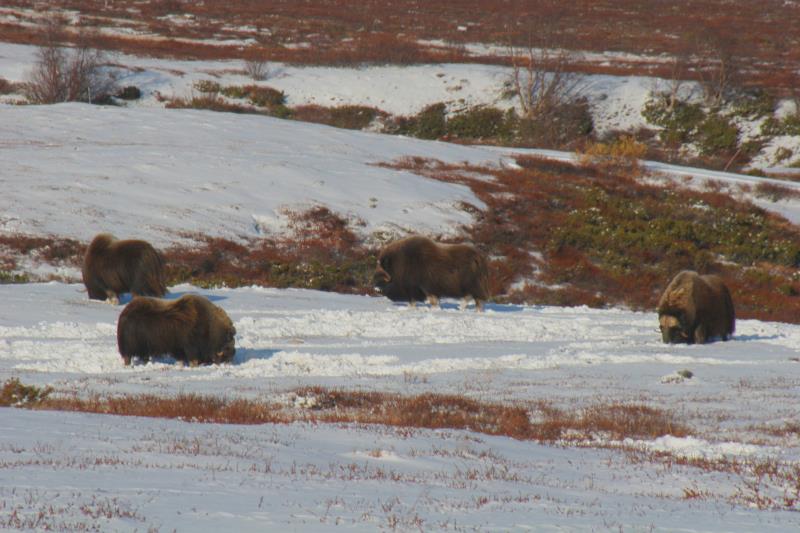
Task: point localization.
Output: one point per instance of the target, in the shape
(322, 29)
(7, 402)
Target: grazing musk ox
(112, 267)
(191, 329)
(416, 268)
(695, 308)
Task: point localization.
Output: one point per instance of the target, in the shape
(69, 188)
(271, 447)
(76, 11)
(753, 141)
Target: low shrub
(716, 134)
(350, 117)
(430, 123)
(257, 68)
(482, 123)
(130, 92)
(622, 153)
(321, 252)
(208, 101)
(678, 123)
(567, 126)
(207, 86)
(8, 87)
(788, 125)
(775, 192)
(15, 394)
(754, 104)
(257, 95)
(8, 278)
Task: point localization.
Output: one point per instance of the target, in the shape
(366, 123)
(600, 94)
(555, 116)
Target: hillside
(270, 149)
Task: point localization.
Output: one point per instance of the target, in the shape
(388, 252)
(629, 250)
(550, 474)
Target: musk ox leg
(434, 301)
(127, 360)
(479, 305)
(700, 334)
(112, 298)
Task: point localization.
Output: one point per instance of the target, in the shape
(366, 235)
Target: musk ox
(695, 308)
(112, 267)
(191, 329)
(416, 268)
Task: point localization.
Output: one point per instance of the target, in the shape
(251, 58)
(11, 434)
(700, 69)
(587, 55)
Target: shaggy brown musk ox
(112, 267)
(191, 329)
(695, 308)
(416, 268)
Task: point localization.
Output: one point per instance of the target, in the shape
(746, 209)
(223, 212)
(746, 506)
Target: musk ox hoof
(191, 329)
(695, 309)
(416, 269)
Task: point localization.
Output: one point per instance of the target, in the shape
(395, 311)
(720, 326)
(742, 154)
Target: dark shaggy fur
(191, 329)
(696, 308)
(112, 267)
(416, 268)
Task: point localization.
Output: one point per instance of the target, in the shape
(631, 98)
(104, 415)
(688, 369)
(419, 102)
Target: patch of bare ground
(762, 36)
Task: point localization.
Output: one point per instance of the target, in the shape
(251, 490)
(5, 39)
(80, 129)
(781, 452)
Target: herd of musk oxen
(692, 309)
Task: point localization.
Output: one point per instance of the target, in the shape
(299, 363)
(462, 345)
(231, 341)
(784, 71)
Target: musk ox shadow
(696, 309)
(191, 329)
(416, 269)
(113, 267)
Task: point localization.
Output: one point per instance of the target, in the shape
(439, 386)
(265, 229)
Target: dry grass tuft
(430, 411)
(15, 394)
(622, 155)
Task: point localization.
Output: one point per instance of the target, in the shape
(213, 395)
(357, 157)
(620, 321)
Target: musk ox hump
(112, 267)
(416, 268)
(191, 329)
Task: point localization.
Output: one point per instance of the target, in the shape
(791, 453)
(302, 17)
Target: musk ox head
(695, 309)
(112, 267)
(227, 338)
(382, 277)
(672, 331)
(190, 329)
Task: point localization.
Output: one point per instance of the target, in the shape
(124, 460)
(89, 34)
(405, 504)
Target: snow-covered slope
(75, 170)
(171, 474)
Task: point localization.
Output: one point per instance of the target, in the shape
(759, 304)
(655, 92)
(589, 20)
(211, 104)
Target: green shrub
(789, 125)
(755, 104)
(352, 117)
(430, 123)
(679, 123)
(559, 128)
(716, 134)
(349, 116)
(481, 123)
(7, 278)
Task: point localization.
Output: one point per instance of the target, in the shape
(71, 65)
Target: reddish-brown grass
(762, 36)
(321, 251)
(431, 411)
(594, 234)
